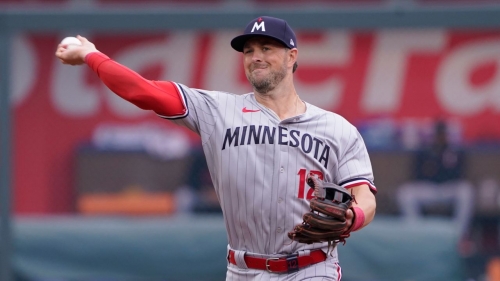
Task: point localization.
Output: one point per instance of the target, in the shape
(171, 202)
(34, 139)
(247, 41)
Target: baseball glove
(326, 222)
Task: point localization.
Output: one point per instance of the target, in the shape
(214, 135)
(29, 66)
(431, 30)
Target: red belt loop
(287, 264)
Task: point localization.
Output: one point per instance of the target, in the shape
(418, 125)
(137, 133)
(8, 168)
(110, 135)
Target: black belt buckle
(292, 263)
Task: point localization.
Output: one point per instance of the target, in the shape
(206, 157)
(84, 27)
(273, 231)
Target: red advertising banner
(397, 74)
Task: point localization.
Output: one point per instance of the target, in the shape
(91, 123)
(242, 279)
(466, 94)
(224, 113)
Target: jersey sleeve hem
(357, 182)
(182, 96)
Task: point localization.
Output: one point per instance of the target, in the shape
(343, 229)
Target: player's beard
(267, 84)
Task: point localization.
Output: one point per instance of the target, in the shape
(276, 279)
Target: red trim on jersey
(339, 272)
(361, 182)
(163, 97)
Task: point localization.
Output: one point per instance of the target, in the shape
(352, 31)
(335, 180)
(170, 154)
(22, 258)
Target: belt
(287, 264)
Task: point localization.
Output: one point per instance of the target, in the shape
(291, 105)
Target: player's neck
(283, 100)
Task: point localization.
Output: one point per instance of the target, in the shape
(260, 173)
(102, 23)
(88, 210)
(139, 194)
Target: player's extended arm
(162, 97)
(365, 200)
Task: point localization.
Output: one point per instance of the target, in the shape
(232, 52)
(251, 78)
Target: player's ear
(292, 56)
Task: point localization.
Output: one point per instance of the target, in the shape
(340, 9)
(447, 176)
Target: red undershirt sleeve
(163, 97)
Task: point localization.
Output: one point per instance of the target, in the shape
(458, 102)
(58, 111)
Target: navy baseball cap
(269, 27)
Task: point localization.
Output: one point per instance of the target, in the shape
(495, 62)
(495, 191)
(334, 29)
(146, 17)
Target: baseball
(71, 41)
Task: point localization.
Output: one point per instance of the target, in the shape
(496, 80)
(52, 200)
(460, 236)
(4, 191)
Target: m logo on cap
(277, 29)
(258, 25)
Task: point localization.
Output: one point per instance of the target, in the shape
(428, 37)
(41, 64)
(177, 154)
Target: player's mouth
(258, 70)
(255, 67)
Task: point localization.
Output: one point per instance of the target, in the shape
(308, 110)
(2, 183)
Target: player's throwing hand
(75, 55)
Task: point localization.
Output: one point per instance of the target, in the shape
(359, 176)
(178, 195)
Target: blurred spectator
(438, 181)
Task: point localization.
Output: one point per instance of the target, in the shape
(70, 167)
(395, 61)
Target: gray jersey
(259, 163)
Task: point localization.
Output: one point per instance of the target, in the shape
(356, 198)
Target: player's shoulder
(213, 93)
(329, 115)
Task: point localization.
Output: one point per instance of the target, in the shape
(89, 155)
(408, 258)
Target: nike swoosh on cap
(249, 110)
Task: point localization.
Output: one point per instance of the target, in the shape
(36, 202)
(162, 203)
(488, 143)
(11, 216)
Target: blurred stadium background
(91, 191)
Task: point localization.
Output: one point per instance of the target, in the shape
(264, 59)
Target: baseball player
(262, 148)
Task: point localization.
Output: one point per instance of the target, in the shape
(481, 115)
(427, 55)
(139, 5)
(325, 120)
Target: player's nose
(257, 56)
(256, 60)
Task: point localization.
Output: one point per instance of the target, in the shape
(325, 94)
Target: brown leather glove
(326, 222)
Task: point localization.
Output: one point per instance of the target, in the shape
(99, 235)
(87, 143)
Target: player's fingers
(60, 52)
(86, 43)
(82, 39)
(61, 48)
(349, 216)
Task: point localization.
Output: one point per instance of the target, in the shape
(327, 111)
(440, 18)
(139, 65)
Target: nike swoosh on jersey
(245, 110)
